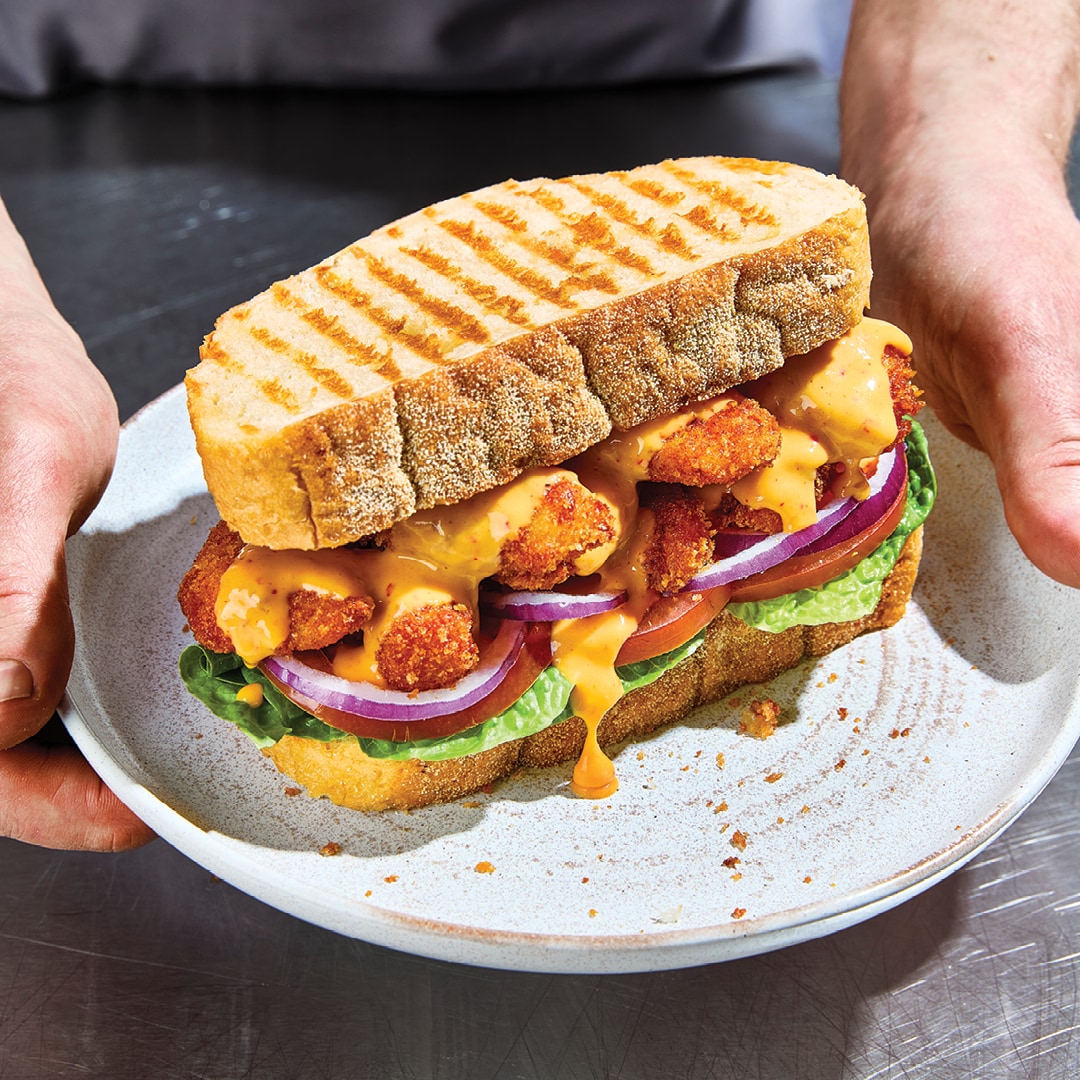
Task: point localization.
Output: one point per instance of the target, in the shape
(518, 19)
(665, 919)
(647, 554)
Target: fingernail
(15, 680)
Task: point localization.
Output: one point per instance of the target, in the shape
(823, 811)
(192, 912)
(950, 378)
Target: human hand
(58, 432)
(978, 258)
(956, 120)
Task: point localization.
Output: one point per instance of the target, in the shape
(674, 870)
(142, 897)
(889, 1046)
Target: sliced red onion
(881, 497)
(365, 699)
(731, 541)
(777, 547)
(549, 606)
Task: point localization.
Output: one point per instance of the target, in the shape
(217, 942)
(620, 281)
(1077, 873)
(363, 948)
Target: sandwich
(543, 467)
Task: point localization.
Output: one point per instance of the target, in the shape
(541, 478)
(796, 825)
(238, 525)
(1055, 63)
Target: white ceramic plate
(954, 722)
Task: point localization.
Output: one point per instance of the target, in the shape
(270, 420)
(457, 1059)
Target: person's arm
(58, 432)
(956, 117)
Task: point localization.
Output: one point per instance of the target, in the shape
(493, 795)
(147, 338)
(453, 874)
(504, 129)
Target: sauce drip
(833, 403)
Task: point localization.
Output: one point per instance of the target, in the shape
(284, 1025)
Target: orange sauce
(250, 694)
(834, 404)
(585, 650)
(253, 601)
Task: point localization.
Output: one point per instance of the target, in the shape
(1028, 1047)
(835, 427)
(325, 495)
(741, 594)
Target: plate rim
(539, 951)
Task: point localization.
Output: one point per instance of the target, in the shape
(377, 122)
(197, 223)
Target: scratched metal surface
(149, 213)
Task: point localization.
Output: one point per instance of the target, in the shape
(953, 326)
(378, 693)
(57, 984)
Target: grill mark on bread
(484, 246)
(325, 377)
(450, 315)
(651, 189)
(278, 394)
(211, 350)
(561, 295)
(590, 230)
(698, 215)
(368, 356)
(564, 257)
(669, 238)
(427, 346)
(502, 304)
(271, 389)
(748, 211)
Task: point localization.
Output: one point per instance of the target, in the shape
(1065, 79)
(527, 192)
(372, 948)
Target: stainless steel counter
(149, 213)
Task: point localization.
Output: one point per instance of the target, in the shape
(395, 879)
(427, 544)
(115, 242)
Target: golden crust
(732, 654)
(428, 648)
(720, 449)
(568, 522)
(681, 543)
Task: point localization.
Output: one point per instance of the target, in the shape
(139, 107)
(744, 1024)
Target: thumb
(1041, 497)
(36, 635)
(49, 795)
(58, 433)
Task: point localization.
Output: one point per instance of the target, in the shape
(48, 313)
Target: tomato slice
(670, 621)
(819, 567)
(534, 657)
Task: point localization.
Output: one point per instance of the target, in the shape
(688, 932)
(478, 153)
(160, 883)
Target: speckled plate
(902, 756)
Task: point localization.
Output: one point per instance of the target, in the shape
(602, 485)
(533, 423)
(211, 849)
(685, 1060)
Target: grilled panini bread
(732, 655)
(511, 327)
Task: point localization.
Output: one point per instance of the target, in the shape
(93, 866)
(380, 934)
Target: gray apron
(51, 45)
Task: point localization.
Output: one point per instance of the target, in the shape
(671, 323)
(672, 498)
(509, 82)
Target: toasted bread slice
(511, 327)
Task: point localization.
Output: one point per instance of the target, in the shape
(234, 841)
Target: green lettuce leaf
(855, 593)
(214, 678)
(633, 676)
(546, 702)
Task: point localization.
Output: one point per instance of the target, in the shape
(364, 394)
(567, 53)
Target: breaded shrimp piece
(569, 521)
(905, 394)
(198, 591)
(428, 648)
(315, 619)
(682, 539)
(719, 449)
(731, 514)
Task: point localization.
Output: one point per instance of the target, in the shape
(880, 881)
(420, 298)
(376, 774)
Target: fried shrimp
(428, 648)
(719, 449)
(315, 619)
(731, 514)
(682, 539)
(199, 589)
(906, 395)
(568, 522)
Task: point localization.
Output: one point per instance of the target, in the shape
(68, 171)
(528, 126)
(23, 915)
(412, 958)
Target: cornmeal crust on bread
(732, 654)
(511, 327)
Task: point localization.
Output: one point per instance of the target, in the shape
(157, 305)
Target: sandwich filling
(571, 585)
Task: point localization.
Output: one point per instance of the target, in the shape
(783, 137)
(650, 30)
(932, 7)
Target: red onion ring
(870, 509)
(366, 699)
(549, 606)
(777, 547)
(730, 542)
